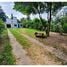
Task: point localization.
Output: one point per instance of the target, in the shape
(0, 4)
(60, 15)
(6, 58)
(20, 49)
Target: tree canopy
(39, 7)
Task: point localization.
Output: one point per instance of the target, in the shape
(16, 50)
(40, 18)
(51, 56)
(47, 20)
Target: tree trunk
(45, 28)
(49, 19)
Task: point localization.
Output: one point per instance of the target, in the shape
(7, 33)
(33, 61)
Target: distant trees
(2, 27)
(59, 25)
(2, 20)
(63, 23)
(35, 23)
(2, 15)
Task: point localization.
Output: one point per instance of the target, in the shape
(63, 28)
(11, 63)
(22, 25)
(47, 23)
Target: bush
(65, 27)
(2, 26)
(33, 24)
(54, 27)
(6, 56)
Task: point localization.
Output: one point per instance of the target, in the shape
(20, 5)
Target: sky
(8, 9)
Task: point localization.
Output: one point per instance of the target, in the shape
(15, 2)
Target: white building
(13, 23)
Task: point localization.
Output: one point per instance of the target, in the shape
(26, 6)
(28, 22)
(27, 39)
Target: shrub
(65, 27)
(2, 26)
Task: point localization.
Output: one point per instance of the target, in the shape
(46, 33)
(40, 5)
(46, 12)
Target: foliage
(39, 7)
(60, 24)
(65, 27)
(21, 39)
(2, 26)
(25, 22)
(6, 56)
(34, 24)
(28, 7)
(53, 26)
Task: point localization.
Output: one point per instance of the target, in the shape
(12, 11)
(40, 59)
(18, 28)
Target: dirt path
(18, 51)
(56, 52)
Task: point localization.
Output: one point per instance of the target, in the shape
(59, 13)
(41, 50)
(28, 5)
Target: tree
(52, 8)
(33, 7)
(63, 23)
(39, 7)
(2, 15)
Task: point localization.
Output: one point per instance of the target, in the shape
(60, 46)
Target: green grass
(29, 32)
(6, 57)
(21, 39)
(17, 32)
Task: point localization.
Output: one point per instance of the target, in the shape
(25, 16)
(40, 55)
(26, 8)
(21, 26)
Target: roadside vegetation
(21, 39)
(6, 57)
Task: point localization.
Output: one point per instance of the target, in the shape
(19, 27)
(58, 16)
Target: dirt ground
(55, 40)
(58, 42)
(49, 51)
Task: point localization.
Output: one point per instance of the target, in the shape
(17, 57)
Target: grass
(29, 32)
(22, 40)
(6, 57)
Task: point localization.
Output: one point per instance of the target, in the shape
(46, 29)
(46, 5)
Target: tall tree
(52, 8)
(39, 7)
(31, 7)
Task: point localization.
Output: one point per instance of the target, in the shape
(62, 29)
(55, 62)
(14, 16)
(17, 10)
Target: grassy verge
(6, 57)
(29, 32)
(22, 40)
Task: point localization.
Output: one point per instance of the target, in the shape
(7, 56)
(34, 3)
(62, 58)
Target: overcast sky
(8, 9)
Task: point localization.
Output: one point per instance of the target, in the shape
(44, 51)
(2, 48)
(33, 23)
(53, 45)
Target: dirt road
(18, 51)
